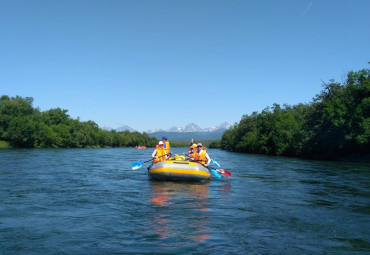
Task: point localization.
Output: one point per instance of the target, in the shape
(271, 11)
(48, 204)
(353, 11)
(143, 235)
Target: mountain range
(188, 132)
(191, 127)
(191, 131)
(120, 129)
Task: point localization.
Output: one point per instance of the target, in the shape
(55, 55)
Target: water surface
(89, 201)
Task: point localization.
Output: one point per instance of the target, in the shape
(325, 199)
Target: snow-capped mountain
(191, 127)
(120, 129)
(224, 125)
(154, 130)
(188, 128)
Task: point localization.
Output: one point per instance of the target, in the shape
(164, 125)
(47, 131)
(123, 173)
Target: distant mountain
(188, 128)
(124, 128)
(191, 127)
(186, 133)
(192, 131)
(223, 126)
(154, 130)
(120, 129)
(187, 136)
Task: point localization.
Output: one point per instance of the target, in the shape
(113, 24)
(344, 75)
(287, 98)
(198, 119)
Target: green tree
(11, 108)
(55, 117)
(336, 123)
(339, 120)
(21, 131)
(44, 137)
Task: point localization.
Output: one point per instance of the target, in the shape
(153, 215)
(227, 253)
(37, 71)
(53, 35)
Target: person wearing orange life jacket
(192, 152)
(202, 156)
(166, 145)
(159, 153)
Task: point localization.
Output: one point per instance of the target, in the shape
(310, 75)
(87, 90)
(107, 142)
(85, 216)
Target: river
(89, 201)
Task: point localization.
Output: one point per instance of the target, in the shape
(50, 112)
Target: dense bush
(336, 123)
(23, 126)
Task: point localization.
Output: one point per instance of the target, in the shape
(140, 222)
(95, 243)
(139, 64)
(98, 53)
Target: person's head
(199, 146)
(164, 138)
(191, 148)
(160, 143)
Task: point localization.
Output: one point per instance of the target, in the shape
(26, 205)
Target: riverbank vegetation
(205, 143)
(335, 125)
(22, 126)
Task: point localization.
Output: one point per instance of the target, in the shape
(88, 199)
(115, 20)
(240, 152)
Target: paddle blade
(215, 163)
(224, 173)
(136, 165)
(216, 173)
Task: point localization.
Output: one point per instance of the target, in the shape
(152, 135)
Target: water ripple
(78, 201)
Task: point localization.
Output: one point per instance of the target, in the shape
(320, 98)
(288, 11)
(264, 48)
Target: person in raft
(202, 156)
(192, 151)
(159, 153)
(166, 145)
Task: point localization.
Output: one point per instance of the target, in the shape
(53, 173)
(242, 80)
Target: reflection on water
(192, 222)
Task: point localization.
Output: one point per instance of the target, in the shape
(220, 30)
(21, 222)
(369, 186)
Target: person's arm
(154, 153)
(208, 159)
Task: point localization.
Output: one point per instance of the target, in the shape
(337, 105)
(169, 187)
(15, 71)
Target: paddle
(216, 173)
(139, 164)
(215, 162)
(221, 172)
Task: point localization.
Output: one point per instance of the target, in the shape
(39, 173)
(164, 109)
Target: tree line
(335, 124)
(23, 126)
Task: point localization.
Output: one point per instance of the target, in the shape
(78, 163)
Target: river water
(89, 201)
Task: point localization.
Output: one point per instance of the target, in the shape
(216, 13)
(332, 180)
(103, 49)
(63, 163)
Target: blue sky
(158, 64)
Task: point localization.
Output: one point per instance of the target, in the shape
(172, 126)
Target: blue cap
(164, 138)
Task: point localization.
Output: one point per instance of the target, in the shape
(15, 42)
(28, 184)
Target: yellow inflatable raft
(179, 170)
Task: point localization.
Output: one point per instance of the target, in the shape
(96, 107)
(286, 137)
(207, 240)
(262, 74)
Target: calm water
(89, 201)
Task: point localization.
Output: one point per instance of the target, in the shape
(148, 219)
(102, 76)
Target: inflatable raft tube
(179, 170)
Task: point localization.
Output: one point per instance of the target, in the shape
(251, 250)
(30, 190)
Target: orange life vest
(193, 155)
(201, 158)
(167, 147)
(160, 154)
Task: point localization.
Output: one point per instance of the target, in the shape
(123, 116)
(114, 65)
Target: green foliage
(21, 132)
(11, 111)
(4, 145)
(182, 144)
(339, 123)
(215, 145)
(336, 123)
(22, 126)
